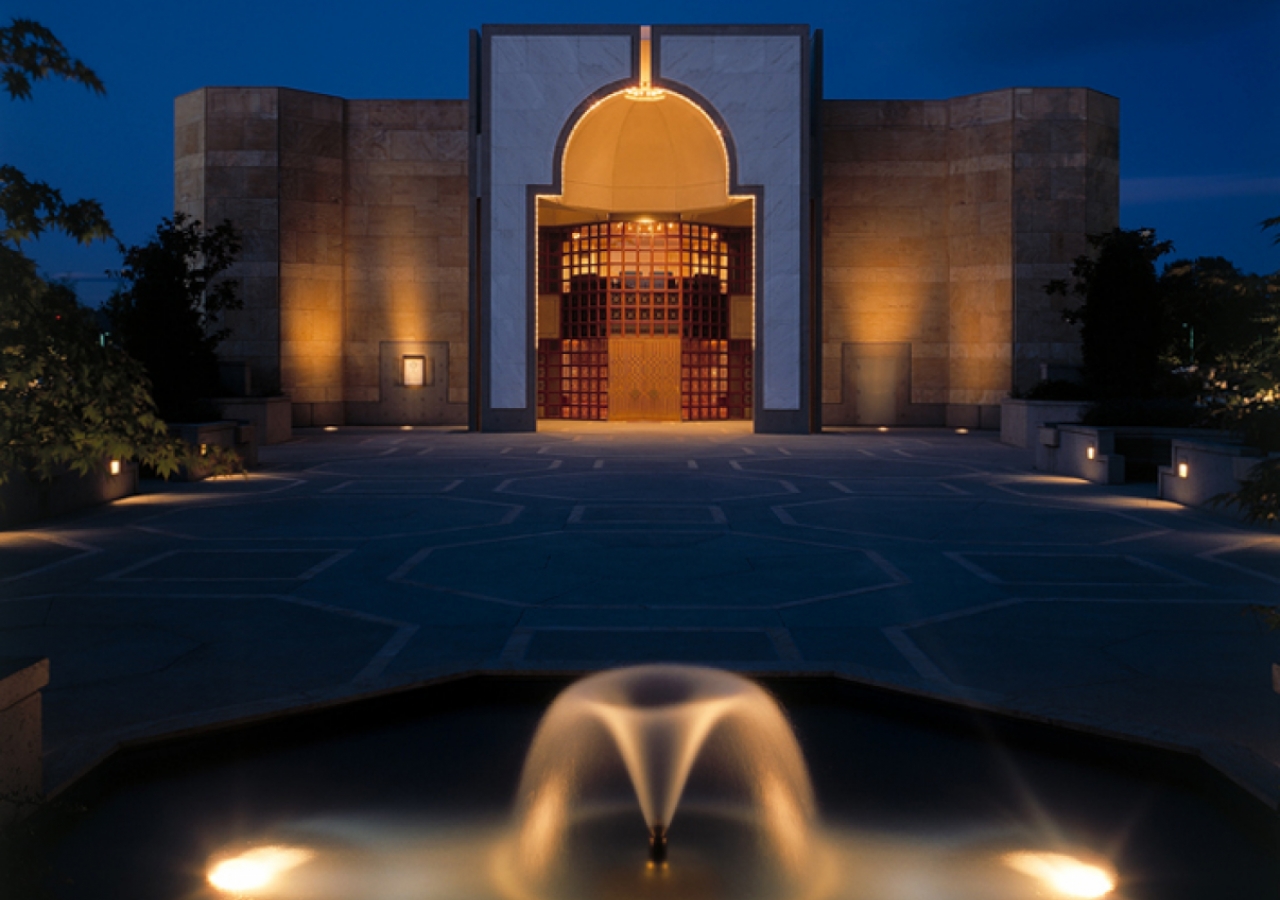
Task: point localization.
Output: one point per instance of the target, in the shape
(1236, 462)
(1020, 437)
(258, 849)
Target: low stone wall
(21, 743)
(1201, 470)
(23, 501)
(232, 435)
(1080, 451)
(1090, 451)
(272, 417)
(1020, 420)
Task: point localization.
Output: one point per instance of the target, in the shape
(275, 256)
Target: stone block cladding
(226, 166)
(355, 234)
(406, 244)
(942, 222)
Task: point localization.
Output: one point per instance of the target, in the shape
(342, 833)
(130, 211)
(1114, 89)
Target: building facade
(666, 223)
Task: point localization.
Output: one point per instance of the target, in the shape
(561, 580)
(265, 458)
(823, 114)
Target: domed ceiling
(645, 155)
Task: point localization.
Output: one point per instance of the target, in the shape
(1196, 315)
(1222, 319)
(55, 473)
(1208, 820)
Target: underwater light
(1066, 875)
(256, 868)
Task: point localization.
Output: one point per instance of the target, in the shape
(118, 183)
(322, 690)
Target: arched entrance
(645, 269)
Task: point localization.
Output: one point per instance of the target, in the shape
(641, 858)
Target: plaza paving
(366, 559)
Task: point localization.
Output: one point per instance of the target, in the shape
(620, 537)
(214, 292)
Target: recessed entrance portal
(645, 270)
(644, 320)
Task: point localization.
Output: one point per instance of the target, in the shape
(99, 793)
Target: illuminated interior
(645, 268)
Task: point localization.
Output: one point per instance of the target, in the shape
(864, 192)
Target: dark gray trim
(474, 341)
(801, 31)
(816, 181)
(803, 422)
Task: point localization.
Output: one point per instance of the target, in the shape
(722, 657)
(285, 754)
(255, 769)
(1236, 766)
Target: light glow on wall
(645, 90)
(1090, 452)
(1183, 470)
(114, 467)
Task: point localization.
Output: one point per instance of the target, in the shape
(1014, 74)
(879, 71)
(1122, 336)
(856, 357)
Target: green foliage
(1120, 312)
(68, 400)
(1213, 313)
(1268, 224)
(1270, 615)
(1258, 497)
(167, 313)
(29, 52)
(28, 208)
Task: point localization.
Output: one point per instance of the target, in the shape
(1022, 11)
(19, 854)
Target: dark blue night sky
(1198, 84)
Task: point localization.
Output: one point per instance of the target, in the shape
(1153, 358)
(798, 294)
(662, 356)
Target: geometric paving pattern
(365, 559)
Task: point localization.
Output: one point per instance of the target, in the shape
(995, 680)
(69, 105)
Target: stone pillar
(226, 166)
(885, 258)
(980, 243)
(311, 255)
(1066, 185)
(406, 258)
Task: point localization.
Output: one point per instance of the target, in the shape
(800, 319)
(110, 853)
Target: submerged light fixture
(255, 869)
(1065, 875)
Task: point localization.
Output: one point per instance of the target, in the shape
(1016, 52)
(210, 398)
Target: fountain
(627, 741)
(646, 783)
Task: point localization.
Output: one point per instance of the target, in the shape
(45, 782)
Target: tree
(1220, 328)
(1120, 313)
(167, 314)
(68, 399)
(1268, 224)
(29, 52)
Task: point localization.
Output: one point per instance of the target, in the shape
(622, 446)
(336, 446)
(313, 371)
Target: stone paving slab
(365, 560)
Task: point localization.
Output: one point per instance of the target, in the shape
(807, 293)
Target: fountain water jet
(633, 737)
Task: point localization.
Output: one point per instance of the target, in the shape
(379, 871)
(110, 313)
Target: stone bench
(21, 742)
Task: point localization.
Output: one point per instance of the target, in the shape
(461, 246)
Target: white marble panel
(781, 352)
(537, 81)
(756, 84)
(601, 61)
(552, 54)
(508, 53)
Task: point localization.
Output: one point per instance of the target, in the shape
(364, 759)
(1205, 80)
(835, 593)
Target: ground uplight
(1066, 875)
(255, 869)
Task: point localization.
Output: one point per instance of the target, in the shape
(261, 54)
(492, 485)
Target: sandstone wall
(226, 162)
(980, 245)
(406, 254)
(942, 222)
(886, 275)
(311, 255)
(1066, 186)
(354, 216)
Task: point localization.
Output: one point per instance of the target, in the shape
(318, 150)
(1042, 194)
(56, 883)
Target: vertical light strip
(646, 57)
